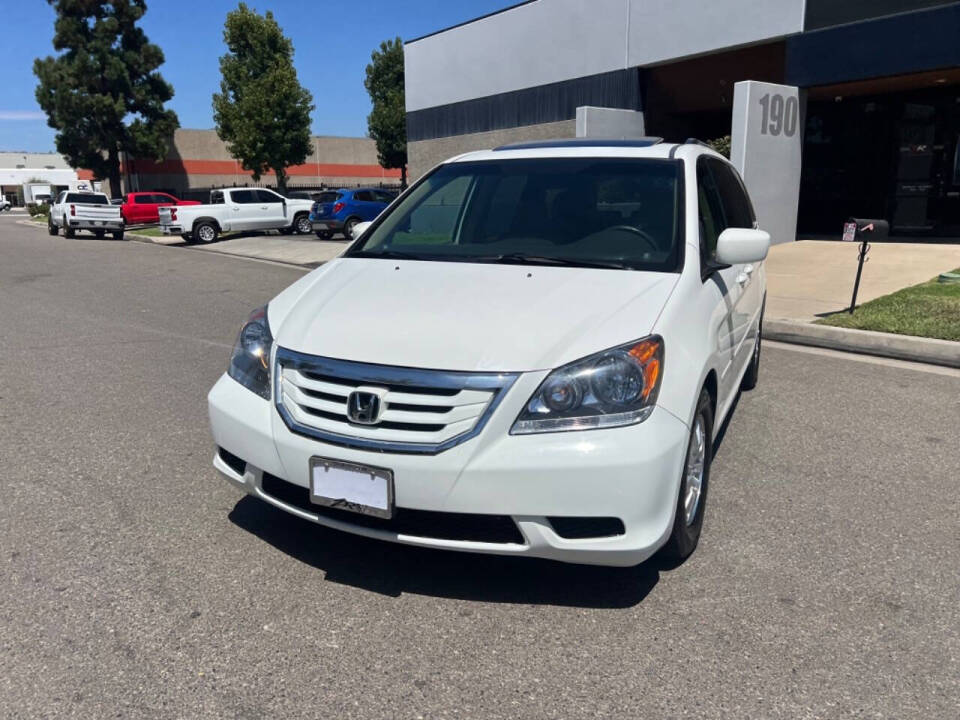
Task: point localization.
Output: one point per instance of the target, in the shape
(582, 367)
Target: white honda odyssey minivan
(530, 352)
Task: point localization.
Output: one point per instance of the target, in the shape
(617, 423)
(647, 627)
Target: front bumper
(631, 473)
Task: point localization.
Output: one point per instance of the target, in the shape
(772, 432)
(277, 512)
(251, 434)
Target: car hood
(465, 316)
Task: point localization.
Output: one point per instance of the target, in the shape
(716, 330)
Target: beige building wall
(200, 159)
(425, 154)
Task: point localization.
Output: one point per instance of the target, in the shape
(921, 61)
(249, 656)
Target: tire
(205, 232)
(51, 228)
(691, 501)
(99, 234)
(187, 237)
(348, 227)
(118, 235)
(302, 224)
(324, 234)
(753, 370)
(68, 231)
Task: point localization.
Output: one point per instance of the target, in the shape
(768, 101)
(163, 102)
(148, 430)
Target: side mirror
(742, 245)
(359, 229)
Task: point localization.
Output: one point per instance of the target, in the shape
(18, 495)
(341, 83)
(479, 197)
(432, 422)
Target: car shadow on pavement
(393, 569)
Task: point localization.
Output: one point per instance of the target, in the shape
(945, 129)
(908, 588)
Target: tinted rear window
(87, 199)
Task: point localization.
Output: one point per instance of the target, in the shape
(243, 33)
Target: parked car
(531, 353)
(4, 204)
(91, 211)
(236, 209)
(348, 208)
(143, 208)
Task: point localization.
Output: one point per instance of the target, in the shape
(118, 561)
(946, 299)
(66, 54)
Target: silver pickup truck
(91, 211)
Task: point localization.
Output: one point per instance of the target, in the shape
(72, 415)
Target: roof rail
(582, 142)
(695, 141)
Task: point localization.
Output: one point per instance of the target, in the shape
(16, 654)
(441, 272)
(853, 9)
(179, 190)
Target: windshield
(606, 212)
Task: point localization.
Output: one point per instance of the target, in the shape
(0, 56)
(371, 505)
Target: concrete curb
(900, 347)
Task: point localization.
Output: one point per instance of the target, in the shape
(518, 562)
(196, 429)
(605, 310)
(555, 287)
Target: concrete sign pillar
(609, 123)
(766, 144)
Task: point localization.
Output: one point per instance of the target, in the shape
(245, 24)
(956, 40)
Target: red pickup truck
(141, 208)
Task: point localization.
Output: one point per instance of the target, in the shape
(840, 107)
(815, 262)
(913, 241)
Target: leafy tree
(262, 112)
(102, 93)
(387, 123)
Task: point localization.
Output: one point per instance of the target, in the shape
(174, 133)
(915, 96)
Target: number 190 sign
(779, 115)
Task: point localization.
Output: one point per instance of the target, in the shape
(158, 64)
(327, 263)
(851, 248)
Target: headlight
(250, 362)
(612, 388)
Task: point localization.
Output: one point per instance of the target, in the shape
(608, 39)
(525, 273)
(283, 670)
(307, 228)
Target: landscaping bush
(38, 209)
(721, 145)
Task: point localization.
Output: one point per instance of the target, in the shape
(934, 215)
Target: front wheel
(688, 518)
(118, 235)
(348, 227)
(324, 234)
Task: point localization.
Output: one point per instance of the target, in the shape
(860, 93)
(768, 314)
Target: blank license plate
(348, 486)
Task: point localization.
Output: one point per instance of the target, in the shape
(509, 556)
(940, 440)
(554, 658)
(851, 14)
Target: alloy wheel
(693, 473)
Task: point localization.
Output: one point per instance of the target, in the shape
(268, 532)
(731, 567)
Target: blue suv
(340, 210)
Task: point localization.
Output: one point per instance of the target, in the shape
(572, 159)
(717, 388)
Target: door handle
(748, 269)
(236, 209)
(743, 278)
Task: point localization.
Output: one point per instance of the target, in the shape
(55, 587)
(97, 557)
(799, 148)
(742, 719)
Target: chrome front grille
(423, 411)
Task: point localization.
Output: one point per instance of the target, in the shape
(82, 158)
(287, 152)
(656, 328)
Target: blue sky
(332, 43)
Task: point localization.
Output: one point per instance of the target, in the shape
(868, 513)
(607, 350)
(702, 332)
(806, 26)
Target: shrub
(721, 145)
(38, 209)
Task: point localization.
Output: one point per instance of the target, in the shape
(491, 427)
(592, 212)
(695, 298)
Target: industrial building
(196, 161)
(879, 86)
(21, 173)
(199, 160)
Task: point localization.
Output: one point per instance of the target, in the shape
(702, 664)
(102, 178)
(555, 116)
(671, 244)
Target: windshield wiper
(526, 259)
(389, 254)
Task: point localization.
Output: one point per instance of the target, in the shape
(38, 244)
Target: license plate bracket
(362, 489)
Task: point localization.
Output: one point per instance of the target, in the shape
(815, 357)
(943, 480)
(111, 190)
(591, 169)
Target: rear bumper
(326, 224)
(82, 224)
(171, 229)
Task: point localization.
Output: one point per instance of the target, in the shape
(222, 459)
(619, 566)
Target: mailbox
(864, 230)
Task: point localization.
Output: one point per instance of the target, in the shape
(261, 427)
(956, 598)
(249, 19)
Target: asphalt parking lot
(136, 583)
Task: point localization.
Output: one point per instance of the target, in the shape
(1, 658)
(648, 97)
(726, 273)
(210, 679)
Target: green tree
(262, 112)
(102, 93)
(387, 123)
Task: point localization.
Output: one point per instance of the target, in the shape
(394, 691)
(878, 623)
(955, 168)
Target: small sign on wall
(766, 145)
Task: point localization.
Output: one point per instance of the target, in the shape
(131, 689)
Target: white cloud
(22, 115)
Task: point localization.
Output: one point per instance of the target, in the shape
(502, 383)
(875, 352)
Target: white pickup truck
(234, 209)
(91, 211)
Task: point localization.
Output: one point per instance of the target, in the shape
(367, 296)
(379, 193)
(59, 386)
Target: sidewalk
(291, 249)
(811, 278)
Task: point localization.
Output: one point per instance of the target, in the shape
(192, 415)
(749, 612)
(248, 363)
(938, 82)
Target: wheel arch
(206, 218)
